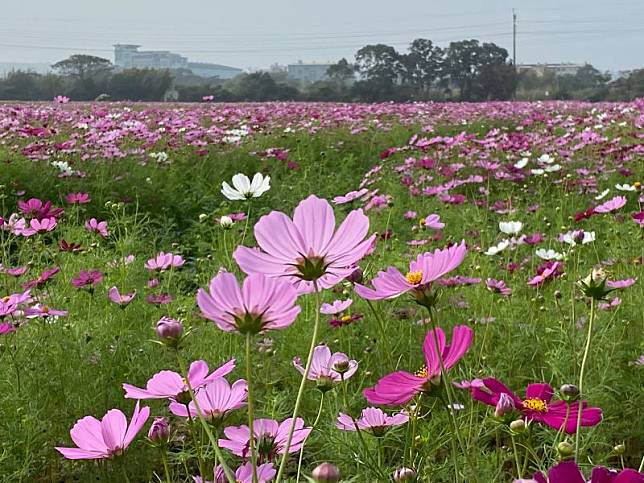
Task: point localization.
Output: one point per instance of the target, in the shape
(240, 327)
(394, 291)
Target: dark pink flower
(89, 278)
(77, 198)
(159, 299)
(44, 277)
(569, 472)
(95, 226)
(546, 271)
(498, 286)
(35, 208)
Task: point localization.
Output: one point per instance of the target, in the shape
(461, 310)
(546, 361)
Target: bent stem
(251, 426)
(305, 376)
(581, 375)
(230, 476)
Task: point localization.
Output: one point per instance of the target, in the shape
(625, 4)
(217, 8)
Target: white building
(308, 73)
(565, 68)
(128, 56)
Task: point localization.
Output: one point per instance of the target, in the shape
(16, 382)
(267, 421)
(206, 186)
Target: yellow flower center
(45, 309)
(536, 404)
(637, 184)
(6, 298)
(421, 221)
(345, 318)
(422, 372)
(414, 277)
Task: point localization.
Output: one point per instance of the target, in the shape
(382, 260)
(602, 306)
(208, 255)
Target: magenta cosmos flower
(427, 268)
(105, 438)
(307, 248)
(569, 472)
(270, 438)
(546, 271)
(94, 226)
(89, 278)
(638, 218)
(537, 405)
(498, 286)
(171, 385)
(120, 299)
(216, 399)
(163, 261)
(400, 387)
(35, 208)
(372, 420)
(326, 368)
(77, 198)
(261, 304)
(244, 474)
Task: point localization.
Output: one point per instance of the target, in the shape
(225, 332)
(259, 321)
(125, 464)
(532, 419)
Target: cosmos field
(384, 292)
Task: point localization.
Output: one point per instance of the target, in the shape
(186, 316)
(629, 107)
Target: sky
(254, 34)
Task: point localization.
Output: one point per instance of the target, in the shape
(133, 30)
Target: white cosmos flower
(548, 254)
(498, 248)
(244, 188)
(569, 238)
(625, 187)
(602, 195)
(510, 227)
(522, 163)
(553, 168)
(545, 158)
(537, 171)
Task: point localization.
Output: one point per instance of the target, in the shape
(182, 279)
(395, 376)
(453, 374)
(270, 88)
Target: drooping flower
(611, 205)
(216, 399)
(569, 472)
(244, 188)
(261, 303)
(94, 226)
(498, 286)
(372, 420)
(117, 298)
(327, 369)
(510, 227)
(163, 261)
(336, 307)
(244, 474)
(87, 278)
(538, 406)
(105, 438)
(270, 438)
(171, 385)
(400, 387)
(427, 268)
(307, 248)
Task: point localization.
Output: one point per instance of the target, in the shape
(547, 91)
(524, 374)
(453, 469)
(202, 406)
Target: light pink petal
(315, 220)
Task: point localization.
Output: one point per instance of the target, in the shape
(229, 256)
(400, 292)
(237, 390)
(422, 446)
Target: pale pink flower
(95, 226)
(163, 261)
(119, 299)
(372, 420)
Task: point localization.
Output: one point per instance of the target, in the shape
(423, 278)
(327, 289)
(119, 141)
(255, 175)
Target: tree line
(467, 70)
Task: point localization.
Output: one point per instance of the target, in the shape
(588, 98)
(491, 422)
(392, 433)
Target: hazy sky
(258, 33)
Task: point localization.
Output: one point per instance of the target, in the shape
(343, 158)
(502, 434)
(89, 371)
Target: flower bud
(504, 406)
(226, 222)
(402, 475)
(565, 450)
(169, 330)
(159, 431)
(569, 392)
(518, 425)
(203, 217)
(594, 285)
(619, 449)
(558, 295)
(355, 276)
(341, 365)
(326, 473)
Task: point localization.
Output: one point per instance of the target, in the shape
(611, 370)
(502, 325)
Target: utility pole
(514, 39)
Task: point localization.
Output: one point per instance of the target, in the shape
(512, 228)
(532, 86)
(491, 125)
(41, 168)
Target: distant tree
(82, 66)
(422, 65)
(379, 63)
(496, 82)
(260, 86)
(139, 84)
(341, 72)
(20, 86)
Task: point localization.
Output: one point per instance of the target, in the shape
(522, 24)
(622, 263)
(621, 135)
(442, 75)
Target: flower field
(383, 292)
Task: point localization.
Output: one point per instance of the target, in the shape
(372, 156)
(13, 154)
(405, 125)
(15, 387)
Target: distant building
(556, 69)
(307, 73)
(128, 56)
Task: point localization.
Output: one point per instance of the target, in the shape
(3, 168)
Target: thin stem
(305, 376)
(246, 223)
(196, 442)
(581, 375)
(165, 466)
(317, 419)
(516, 456)
(383, 333)
(251, 426)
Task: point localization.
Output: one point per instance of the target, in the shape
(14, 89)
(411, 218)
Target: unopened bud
(203, 217)
(518, 425)
(402, 475)
(503, 406)
(565, 449)
(169, 330)
(226, 222)
(558, 295)
(619, 449)
(569, 392)
(159, 431)
(326, 473)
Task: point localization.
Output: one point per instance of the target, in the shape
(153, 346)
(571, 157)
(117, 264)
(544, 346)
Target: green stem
(516, 456)
(383, 333)
(305, 376)
(315, 423)
(196, 442)
(246, 223)
(165, 466)
(251, 426)
(581, 375)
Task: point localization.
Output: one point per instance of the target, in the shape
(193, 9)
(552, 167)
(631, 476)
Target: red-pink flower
(537, 405)
(546, 271)
(638, 218)
(89, 278)
(400, 387)
(44, 277)
(105, 438)
(35, 208)
(498, 286)
(569, 472)
(95, 226)
(77, 198)
(307, 248)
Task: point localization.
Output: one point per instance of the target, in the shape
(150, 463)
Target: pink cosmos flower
(39, 226)
(400, 387)
(95, 226)
(372, 420)
(14, 272)
(569, 472)
(271, 437)
(14, 224)
(105, 438)
(433, 221)
(77, 198)
(613, 304)
(119, 299)
(621, 283)
(611, 205)
(638, 218)
(307, 248)
(244, 474)
(545, 272)
(163, 261)
(537, 405)
(35, 208)
(61, 100)
(350, 196)
(89, 278)
(44, 277)
(159, 299)
(43, 311)
(6, 328)
(261, 304)
(427, 268)
(7, 307)
(458, 281)
(171, 385)
(326, 368)
(498, 286)
(336, 307)
(410, 215)
(216, 399)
